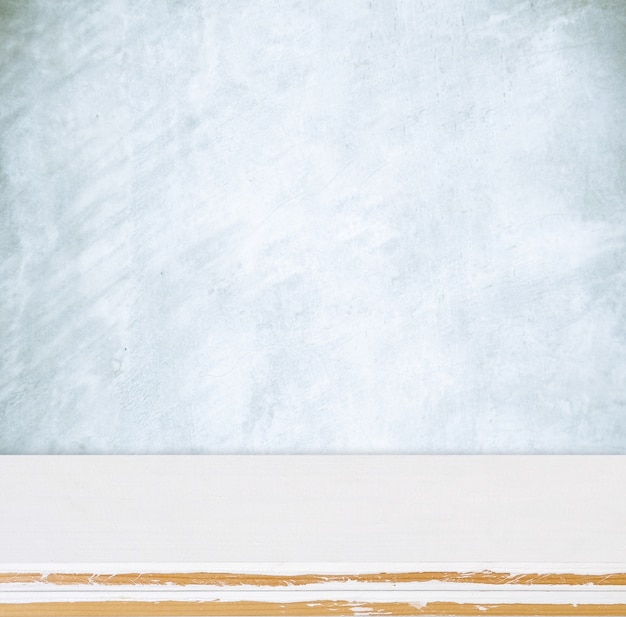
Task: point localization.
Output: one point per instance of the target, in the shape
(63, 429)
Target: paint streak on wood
(486, 577)
(308, 609)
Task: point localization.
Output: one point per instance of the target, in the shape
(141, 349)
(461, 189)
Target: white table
(312, 535)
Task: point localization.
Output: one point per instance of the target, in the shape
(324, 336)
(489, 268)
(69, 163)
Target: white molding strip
(140, 535)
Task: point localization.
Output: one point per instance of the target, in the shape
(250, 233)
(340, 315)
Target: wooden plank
(286, 509)
(312, 535)
(301, 609)
(235, 579)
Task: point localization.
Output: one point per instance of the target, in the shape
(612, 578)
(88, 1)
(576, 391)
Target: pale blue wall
(312, 226)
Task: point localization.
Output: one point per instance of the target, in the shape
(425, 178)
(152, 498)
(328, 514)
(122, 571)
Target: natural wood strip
(486, 577)
(304, 609)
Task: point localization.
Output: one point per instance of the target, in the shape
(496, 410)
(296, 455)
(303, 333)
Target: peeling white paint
(554, 595)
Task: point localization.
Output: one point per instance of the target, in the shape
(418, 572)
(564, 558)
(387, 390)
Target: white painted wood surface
(241, 535)
(306, 509)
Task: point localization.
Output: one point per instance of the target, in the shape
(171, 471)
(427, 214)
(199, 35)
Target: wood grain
(304, 609)
(486, 577)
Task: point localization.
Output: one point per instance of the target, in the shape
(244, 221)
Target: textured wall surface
(312, 226)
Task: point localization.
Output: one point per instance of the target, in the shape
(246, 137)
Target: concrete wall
(312, 226)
